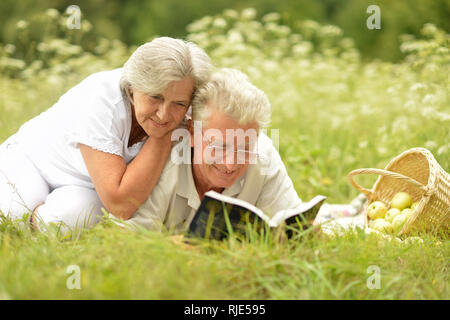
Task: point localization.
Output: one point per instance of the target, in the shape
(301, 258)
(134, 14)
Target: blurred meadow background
(343, 97)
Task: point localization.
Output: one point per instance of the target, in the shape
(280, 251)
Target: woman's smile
(159, 124)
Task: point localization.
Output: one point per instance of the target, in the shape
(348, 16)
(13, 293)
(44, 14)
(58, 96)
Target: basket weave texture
(416, 172)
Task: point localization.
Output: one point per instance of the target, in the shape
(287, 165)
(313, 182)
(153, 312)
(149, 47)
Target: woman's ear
(130, 95)
(190, 126)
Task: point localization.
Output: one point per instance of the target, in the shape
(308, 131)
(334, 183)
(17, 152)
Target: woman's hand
(123, 188)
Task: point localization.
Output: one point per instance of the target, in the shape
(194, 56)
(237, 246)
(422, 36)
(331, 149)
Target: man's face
(227, 149)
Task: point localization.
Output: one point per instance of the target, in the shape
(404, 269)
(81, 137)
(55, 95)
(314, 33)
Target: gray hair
(230, 92)
(155, 64)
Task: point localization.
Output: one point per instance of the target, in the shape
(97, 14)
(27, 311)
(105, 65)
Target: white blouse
(93, 113)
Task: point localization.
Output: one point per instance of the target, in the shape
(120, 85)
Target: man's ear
(190, 125)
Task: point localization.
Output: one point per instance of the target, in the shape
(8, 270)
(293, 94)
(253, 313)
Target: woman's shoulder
(102, 84)
(97, 110)
(104, 75)
(105, 84)
(99, 93)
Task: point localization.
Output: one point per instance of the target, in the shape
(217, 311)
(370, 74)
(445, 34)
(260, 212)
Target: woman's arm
(123, 188)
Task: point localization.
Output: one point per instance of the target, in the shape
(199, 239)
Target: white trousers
(22, 189)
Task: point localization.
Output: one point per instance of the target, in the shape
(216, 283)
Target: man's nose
(230, 161)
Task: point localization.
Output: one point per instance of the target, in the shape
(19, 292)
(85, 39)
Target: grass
(334, 114)
(117, 264)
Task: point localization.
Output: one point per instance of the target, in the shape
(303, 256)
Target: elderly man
(226, 152)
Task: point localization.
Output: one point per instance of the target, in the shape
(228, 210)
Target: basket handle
(381, 172)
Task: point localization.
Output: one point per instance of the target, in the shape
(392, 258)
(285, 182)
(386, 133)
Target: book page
(303, 208)
(238, 202)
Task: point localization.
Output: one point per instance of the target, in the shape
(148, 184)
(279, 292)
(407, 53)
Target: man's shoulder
(174, 166)
(269, 160)
(265, 145)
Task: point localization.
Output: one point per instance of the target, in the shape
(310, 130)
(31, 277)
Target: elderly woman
(245, 166)
(105, 142)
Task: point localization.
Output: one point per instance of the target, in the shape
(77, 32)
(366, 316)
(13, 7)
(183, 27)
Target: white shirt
(93, 113)
(174, 200)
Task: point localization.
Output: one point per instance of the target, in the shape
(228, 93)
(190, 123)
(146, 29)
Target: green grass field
(333, 112)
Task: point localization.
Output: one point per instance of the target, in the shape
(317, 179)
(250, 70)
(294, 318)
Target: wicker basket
(416, 172)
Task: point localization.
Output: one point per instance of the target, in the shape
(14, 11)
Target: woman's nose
(163, 112)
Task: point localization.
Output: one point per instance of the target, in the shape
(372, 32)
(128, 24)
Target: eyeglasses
(243, 156)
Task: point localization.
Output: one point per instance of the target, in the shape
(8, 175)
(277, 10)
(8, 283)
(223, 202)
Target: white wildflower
(230, 13)
(428, 112)
(302, 49)
(283, 31)
(363, 144)
(271, 17)
(400, 125)
(43, 47)
(382, 150)
(431, 144)
(4, 295)
(9, 48)
(270, 65)
(443, 150)
(429, 99)
(54, 79)
(336, 122)
(335, 152)
(417, 86)
(347, 43)
(21, 24)
(410, 104)
(295, 38)
(219, 23)
(52, 13)
(382, 130)
(86, 26)
(271, 26)
(367, 110)
(248, 14)
(200, 25)
(429, 29)
(330, 31)
(15, 63)
(310, 24)
(235, 36)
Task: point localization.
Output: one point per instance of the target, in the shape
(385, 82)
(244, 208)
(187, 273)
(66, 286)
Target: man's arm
(278, 191)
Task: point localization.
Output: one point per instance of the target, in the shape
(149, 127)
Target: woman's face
(161, 113)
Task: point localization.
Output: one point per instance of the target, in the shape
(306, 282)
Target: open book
(218, 213)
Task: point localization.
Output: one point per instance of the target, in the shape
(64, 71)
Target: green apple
(376, 210)
(399, 221)
(413, 240)
(401, 200)
(408, 212)
(391, 214)
(382, 226)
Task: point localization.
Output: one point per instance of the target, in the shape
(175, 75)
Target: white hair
(155, 64)
(230, 92)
